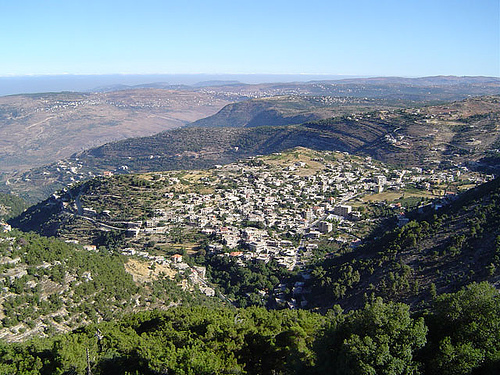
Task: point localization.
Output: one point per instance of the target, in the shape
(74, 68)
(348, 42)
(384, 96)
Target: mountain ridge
(462, 132)
(41, 128)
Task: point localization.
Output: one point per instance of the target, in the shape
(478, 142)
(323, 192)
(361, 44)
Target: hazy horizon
(25, 84)
(30, 84)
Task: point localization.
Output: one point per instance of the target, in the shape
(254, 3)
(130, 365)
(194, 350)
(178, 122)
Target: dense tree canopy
(465, 331)
(459, 335)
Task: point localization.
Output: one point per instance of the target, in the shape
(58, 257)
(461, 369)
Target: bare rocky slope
(38, 129)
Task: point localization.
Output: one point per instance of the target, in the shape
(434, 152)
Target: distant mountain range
(90, 83)
(38, 129)
(299, 81)
(454, 133)
(427, 81)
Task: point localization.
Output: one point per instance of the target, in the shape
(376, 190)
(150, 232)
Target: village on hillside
(284, 207)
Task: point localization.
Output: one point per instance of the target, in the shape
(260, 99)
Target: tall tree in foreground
(465, 332)
(379, 339)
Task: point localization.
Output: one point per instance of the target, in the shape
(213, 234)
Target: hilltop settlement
(289, 208)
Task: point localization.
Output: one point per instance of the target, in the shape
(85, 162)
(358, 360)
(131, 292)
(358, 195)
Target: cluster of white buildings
(254, 209)
(258, 210)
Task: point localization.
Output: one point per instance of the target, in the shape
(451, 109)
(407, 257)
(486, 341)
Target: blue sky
(349, 37)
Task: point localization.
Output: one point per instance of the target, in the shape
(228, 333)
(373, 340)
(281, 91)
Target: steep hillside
(455, 132)
(438, 252)
(459, 335)
(10, 206)
(186, 148)
(51, 286)
(289, 110)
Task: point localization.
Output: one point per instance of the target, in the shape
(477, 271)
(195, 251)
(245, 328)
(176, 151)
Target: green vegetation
(51, 285)
(90, 286)
(459, 334)
(11, 206)
(247, 285)
(439, 252)
(465, 332)
(379, 339)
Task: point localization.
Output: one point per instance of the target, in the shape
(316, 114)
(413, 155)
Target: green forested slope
(10, 206)
(48, 285)
(440, 251)
(458, 335)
